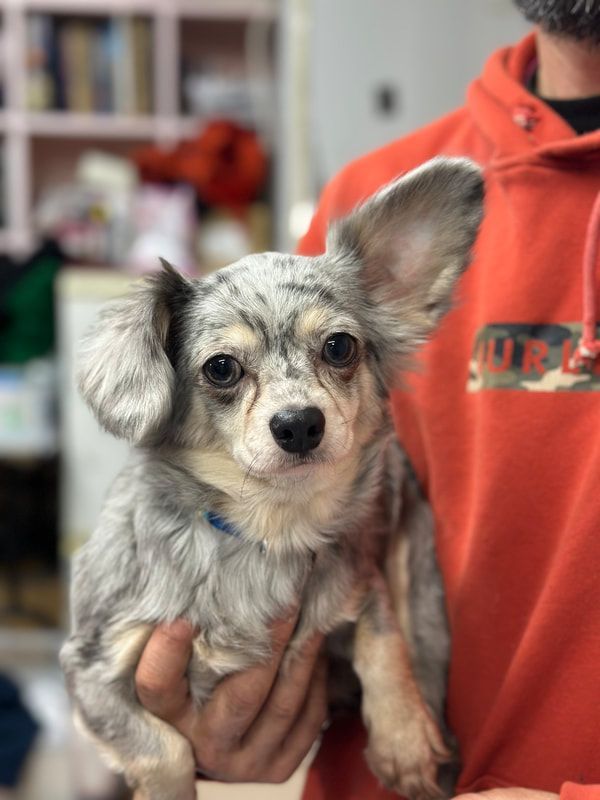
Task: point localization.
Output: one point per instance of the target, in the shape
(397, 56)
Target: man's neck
(567, 68)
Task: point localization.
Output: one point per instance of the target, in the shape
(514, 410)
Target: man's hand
(258, 725)
(509, 794)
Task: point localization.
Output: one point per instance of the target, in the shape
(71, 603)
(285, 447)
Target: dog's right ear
(409, 244)
(124, 373)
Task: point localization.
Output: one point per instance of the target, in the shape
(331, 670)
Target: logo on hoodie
(533, 358)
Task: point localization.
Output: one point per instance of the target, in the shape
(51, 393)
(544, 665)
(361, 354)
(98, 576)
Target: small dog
(265, 471)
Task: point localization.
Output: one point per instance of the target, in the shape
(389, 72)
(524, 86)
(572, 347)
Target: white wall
(428, 50)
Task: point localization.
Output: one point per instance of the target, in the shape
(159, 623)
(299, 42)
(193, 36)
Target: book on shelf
(83, 64)
(142, 64)
(102, 79)
(75, 45)
(40, 92)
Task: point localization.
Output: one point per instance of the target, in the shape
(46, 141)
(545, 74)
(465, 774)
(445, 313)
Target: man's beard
(576, 18)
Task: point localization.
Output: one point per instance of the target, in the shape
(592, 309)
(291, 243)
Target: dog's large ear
(124, 373)
(410, 242)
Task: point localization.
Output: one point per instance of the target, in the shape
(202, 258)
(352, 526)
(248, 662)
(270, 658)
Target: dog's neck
(286, 515)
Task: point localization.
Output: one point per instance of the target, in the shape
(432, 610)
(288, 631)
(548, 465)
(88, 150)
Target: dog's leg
(405, 746)
(416, 587)
(417, 593)
(156, 760)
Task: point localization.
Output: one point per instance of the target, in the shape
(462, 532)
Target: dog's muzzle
(298, 430)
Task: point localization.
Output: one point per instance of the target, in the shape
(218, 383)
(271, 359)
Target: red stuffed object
(226, 164)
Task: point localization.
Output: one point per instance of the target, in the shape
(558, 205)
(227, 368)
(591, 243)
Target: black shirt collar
(582, 114)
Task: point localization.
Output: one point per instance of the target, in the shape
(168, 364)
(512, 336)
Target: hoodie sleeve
(578, 791)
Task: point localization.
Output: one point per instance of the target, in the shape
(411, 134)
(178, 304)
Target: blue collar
(221, 524)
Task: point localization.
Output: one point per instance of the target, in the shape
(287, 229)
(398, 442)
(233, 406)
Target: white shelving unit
(21, 127)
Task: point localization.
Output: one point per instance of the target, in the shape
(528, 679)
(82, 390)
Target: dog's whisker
(247, 475)
(359, 416)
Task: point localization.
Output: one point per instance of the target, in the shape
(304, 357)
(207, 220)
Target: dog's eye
(223, 371)
(340, 350)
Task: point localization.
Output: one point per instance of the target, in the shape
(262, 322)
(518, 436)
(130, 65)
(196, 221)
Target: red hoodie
(505, 436)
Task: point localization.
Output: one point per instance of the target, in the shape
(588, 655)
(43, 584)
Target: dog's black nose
(298, 430)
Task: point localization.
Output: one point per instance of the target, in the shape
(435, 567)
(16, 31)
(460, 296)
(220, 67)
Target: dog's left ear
(410, 242)
(124, 372)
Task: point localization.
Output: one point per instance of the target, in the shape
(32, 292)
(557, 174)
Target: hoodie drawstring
(589, 345)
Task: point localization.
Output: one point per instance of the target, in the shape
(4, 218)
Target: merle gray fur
(312, 526)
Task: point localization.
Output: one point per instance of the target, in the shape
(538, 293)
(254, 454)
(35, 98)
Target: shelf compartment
(206, 9)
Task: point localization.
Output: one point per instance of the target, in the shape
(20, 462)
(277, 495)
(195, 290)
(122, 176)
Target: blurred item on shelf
(90, 223)
(91, 217)
(258, 220)
(164, 221)
(3, 63)
(89, 64)
(227, 70)
(104, 170)
(2, 181)
(115, 214)
(106, 218)
(216, 95)
(28, 426)
(224, 237)
(226, 164)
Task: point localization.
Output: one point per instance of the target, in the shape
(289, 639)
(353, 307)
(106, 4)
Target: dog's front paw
(171, 776)
(405, 752)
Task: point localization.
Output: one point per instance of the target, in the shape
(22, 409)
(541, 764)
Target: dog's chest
(240, 602)
(237, 608)
(248, 587)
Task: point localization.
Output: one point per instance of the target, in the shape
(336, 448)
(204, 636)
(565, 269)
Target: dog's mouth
(293, 463)
(289, 466)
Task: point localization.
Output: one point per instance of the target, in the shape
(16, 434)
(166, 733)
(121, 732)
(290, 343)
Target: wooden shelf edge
(71, 125)
(209, 9)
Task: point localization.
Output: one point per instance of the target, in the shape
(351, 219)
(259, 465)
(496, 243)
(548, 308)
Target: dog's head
(280, 363)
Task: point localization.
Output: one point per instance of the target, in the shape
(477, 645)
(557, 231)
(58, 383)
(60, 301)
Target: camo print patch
(533, 358)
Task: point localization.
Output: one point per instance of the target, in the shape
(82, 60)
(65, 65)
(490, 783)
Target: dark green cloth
(27, 308)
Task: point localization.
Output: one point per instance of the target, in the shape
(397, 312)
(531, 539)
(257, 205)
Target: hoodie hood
(521, 127)
(516, 123)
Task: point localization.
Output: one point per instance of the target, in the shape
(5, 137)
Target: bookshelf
(31, 135)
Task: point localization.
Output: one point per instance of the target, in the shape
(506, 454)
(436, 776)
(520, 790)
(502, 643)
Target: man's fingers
(285, 700)
(160, 678)
(237, 700)
(307, 727)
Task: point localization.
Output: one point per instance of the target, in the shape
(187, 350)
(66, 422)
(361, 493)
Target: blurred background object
(195, 130)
